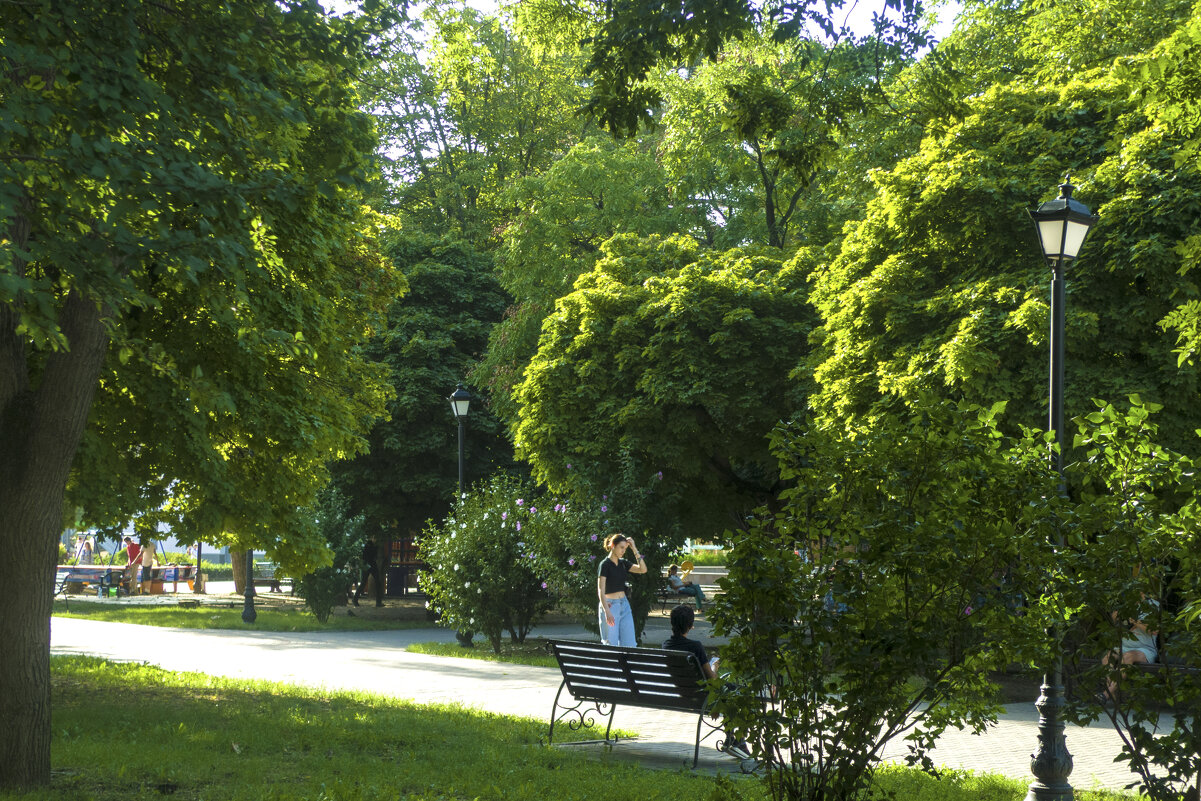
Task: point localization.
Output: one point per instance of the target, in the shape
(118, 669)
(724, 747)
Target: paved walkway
(378, 662)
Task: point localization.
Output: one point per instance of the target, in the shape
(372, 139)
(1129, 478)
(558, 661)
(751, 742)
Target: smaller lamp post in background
(1063, 225)
(248, 613)
(460, 400)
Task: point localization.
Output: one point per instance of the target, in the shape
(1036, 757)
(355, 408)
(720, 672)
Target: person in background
(132, 550)
(370, 558)
(683, 587)
(616, 617)
(1139, 646)
(87, 554)
(146, 556)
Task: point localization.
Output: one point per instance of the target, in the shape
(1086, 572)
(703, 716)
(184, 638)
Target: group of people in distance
(141, 557)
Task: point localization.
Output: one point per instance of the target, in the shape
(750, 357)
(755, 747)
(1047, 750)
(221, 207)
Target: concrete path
(378, 662)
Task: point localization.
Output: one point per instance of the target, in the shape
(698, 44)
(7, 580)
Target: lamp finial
(1066, 188)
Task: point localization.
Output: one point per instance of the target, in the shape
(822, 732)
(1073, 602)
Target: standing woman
(616, 617)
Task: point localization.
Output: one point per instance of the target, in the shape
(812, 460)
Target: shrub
(327, 586)
(1137, 556)
(877, 600)
(481, 573)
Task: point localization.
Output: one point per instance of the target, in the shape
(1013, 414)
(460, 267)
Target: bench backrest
(640, 676)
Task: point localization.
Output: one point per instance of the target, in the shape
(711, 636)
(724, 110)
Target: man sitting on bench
(683, 587)
(682, 620)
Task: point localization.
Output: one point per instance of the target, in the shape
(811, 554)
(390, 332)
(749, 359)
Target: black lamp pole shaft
(461, 459)
(248, 613)
(1051, 764)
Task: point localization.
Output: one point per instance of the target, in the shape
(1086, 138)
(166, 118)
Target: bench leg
(581, 716)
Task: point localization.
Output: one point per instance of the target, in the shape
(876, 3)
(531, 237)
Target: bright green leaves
(941, 287)
(884, 586)
(677, 357)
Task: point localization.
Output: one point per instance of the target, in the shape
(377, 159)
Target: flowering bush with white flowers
(482, 575)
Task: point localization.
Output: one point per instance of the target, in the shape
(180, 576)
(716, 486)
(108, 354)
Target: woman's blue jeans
(622, 630)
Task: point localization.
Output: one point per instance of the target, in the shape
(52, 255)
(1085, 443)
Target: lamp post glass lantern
(1063, 225)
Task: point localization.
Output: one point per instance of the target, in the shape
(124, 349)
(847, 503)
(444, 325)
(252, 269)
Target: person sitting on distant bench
(1139, 646)
(683, 587)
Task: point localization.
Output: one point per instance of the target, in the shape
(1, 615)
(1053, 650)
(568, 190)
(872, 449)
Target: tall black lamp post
(248, 613)
(1063, 225)
(460, 399)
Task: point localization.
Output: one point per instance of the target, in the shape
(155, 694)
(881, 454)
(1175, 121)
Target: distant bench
(266, 574)
(599, 676)
(665, 596)
(102, 576)
(1162, 670)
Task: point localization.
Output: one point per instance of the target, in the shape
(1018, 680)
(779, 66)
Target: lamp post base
(1051, 764)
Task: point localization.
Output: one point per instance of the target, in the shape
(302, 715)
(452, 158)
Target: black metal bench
(599, 677)
(665, 596)
(266, 574)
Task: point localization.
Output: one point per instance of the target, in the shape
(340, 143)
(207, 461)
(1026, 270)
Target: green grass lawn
(126, 732)
(123, 732)
(269, 618)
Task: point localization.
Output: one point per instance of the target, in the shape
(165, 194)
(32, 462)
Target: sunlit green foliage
(942, 289)
(466, 109)
(596, 190)
(875, 602)
(678, 358)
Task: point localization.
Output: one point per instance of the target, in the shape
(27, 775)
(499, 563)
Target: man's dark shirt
(678, 643)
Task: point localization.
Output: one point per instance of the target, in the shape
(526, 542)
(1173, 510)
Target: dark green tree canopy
(433, 336)
(185, 271)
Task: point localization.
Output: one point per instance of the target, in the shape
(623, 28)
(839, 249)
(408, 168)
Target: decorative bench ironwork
(598, 677)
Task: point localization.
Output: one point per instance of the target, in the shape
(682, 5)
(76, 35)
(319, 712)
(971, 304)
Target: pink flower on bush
(571, 561)
(518, 524)
(520, 501)
(544, 585)
(533, 510)
(604, 508)
(593, 538)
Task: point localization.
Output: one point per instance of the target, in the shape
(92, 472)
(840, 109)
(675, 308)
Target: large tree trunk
(237, 560)
(41, 424)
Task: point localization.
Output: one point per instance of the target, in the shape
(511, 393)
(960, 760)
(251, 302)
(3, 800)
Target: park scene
(582, 399)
